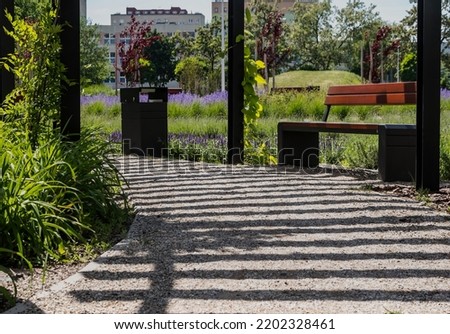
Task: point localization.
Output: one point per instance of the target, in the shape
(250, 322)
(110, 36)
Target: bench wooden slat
(371, 99)
(362, 128)
(381, 88)
(392, 93)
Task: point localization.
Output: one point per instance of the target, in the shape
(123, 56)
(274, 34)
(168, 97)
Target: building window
(109, 39)
(111, 78)
(122, 78)
(216, 10)
(112, 57)
(125, 40)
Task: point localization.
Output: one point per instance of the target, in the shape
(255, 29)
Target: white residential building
(284, 6)
(165, 21)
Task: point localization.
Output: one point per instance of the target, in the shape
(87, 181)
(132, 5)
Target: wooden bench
(396, 93)
(298, 142)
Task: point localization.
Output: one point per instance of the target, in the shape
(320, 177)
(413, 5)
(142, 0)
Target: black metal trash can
(397, 152)
(144, 121)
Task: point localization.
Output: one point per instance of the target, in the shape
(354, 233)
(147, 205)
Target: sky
(99, 11)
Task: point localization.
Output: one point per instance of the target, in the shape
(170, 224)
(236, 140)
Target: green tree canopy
(161, 57)
(325, 37)
(94, 66)
(191, 73)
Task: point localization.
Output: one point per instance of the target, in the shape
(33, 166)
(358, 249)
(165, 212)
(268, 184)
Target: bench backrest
(395, 93)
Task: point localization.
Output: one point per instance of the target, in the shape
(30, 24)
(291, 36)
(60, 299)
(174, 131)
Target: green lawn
(324, 79)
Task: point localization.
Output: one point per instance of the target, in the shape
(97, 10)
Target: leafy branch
(135, 39)
(256, 153)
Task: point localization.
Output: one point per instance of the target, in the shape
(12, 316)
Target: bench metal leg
(298, 148)
(326, 113)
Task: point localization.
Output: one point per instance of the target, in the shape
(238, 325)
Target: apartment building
(165, 21)
(283, 6)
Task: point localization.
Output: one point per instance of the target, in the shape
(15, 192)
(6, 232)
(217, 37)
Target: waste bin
(144, 121)
(397, 152)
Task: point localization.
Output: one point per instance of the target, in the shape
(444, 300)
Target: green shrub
(97, 181)
(316, 109)
(364, 112)
(341, 112)
(276, 105)
(195, 109)
(198, 126)
(217, 109)
(98, 90)
(331, 148)
(95, 108)
(296, 108)
(361, 152)
(53, 196)
(38, 211)
(114, 111)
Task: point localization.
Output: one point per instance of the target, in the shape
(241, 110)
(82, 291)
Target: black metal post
(69, 16)
(235, 78)
(6, 47)
(428, 97)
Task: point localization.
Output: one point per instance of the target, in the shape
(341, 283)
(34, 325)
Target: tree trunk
(371, 63)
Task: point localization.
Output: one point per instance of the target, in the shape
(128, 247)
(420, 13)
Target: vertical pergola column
(235, 78)
(69, 17)
(6, 47)
(428, 94)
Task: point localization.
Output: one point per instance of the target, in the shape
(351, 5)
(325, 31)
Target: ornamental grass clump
(39, 212)
(206, 148)
(56, 195)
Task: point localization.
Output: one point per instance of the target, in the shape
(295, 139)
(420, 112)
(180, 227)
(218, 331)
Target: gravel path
(207, 239)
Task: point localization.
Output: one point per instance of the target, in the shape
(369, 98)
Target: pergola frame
(428, 94)
(428, 88)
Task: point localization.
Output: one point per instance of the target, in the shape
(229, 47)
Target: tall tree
(270, 33)
(183, 45)
(134, 39)
(325, 36)
(313, 36)
(208, 47)
(94, 66)
(161, 61)
(354, 23)
(208, 43)
(192, 73)
(408, 32)
(377, 52)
